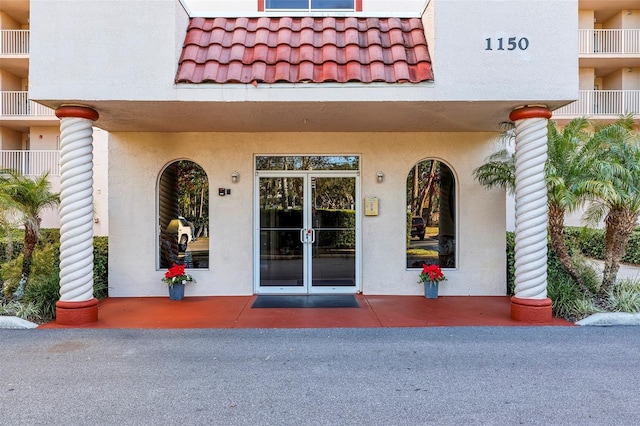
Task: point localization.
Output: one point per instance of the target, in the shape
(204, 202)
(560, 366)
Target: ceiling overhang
(290, 116)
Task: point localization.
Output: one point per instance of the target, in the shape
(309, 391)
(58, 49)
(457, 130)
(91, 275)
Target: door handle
(313, 235)
(303, 235)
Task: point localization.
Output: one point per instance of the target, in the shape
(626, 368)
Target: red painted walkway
(236, 312)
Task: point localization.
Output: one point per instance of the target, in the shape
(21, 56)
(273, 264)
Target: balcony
(18, 104)
(31, 162)
(602, 103)
(14, 42)
(609, 42)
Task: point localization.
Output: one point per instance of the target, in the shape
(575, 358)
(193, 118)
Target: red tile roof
(309, 49)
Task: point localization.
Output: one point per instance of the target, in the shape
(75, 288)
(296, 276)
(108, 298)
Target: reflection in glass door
(333, 249)
(281, 220)
(307, 232)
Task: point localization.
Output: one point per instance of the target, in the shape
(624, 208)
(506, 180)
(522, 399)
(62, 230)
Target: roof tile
(308, 49)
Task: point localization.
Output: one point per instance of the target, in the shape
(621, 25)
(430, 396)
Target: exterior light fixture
(380, 177)
(234, 177)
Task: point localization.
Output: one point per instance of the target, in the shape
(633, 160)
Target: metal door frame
(307, 287)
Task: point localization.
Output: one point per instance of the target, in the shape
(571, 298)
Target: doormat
(313, 301)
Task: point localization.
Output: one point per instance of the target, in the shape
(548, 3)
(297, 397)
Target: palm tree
(29, 197)
(617, 199)
(566, 178)
(568, 184)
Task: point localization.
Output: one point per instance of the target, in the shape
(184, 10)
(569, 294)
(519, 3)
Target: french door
(307, 232)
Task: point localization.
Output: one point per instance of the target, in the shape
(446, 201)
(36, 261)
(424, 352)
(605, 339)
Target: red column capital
(77, 111)
(530, 112)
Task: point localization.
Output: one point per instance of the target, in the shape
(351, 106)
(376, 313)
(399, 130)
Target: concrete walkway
(625, 271)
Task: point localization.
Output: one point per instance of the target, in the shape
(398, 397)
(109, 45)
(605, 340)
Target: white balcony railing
(17, 103)
(14, 42)
(593, 103)
(610, 41)
(31, 162)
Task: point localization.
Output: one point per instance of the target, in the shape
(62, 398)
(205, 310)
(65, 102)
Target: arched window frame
(450, 242)
(168, 247)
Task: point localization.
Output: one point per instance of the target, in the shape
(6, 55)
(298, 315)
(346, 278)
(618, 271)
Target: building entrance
(308, 232)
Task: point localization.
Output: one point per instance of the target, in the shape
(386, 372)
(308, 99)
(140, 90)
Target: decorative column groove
(530, 302)
(76, 305)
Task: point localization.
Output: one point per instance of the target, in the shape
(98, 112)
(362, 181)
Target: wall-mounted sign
(511, 43)
(371, 206)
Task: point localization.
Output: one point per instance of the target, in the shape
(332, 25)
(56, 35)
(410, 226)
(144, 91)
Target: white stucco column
(77, 304)
(530, 303)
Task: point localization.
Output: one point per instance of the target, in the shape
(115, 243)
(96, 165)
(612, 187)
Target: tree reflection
(431, 196)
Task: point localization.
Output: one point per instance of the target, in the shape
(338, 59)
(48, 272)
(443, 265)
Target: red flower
(176, 274)
(175, 271)
(431, 273)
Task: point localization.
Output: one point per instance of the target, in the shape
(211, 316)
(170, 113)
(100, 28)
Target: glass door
(333, 225)
(307, 232)
(281, 232)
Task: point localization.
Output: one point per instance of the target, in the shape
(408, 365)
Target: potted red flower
(430, 276)
(177, 278)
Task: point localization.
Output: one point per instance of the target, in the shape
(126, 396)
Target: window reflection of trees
(184, 192)
(306, 163)
(431, 195)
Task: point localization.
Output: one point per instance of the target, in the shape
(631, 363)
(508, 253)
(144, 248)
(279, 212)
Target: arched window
(431, 215)
(183, 216)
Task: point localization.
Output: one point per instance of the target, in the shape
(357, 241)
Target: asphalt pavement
(379, 376)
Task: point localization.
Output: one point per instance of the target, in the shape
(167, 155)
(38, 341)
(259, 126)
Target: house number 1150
(512, 43)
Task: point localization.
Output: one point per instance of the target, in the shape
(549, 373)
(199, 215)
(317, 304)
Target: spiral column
(76, 305)
(530, 303)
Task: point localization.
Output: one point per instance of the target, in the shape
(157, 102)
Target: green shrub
(625, 296)
(10, 249)
(632, 252)
(46, 261)
(590, 242)
(100, 267)
(511, 263)
(43, 292)
(26, 311)
(49, 236)
(10, 245)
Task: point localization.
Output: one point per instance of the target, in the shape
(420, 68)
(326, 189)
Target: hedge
(288, 241)
(591, 243)
(51, 237)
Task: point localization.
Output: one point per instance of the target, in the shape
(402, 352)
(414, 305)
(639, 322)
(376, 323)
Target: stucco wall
(105, 49)
(143, 38)
(136, 160)
(587, 77)
(9, 81)
(51, 216)
(466, 69)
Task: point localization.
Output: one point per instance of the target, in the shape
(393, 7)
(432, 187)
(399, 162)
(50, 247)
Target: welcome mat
(313, 301)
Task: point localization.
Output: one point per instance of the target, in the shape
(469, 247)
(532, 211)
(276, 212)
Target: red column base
(77, 313)
(531, 311)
